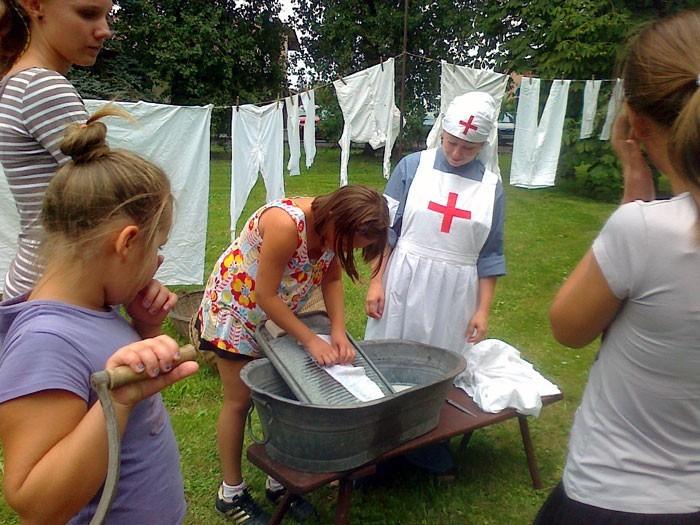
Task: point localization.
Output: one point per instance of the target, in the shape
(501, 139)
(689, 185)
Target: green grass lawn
(547, 231)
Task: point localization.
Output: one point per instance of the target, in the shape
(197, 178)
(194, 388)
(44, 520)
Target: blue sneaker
(242, 509)
(299, 509)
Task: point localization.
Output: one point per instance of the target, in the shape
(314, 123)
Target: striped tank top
(36, 105)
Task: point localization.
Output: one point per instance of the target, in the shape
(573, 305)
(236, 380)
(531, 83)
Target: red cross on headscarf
(468, 125)
(450, 212)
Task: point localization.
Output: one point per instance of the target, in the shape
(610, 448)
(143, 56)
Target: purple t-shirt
(48, 345)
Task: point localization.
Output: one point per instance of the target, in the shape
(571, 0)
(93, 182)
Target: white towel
(590, 107)
(308, 100)
(355, 380)
(536, 145)
(177, 139)
(614, 104)
(497, 377)
(292, 105)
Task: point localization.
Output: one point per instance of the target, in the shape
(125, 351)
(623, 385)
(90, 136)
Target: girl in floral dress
(287, 248)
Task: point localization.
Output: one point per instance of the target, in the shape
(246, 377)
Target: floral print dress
(229, 312)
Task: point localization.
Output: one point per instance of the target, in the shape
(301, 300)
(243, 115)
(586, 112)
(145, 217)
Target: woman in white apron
(437, 284)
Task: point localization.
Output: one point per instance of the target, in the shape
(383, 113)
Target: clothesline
(421, 57)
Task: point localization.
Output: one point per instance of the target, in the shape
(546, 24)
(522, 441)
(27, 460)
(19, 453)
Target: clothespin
(454, 67)
(342, 79)
(291, 97)
(238, 103)
(381, 61)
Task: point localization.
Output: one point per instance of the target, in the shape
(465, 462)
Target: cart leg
(464, 442)
(281, 508)
(342, 509)
(529, 451)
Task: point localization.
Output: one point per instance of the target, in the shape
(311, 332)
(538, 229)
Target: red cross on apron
(450, 212)
(468, 125)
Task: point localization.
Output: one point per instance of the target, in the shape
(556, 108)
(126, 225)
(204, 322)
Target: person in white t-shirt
(634, 449)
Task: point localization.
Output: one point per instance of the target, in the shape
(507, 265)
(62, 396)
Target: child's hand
(150, 307)
(322, 352)
(346, 353)
(156, 356)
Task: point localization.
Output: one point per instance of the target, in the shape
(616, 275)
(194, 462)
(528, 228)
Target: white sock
(273, 484)
(229, 491)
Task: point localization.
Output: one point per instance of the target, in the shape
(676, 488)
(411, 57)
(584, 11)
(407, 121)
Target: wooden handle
(123, 375)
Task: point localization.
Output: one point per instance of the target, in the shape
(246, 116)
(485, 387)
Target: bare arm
(374, 304)
(279, 234)
(584, 305)
(479, 323)
(56, 449)
(333, 297)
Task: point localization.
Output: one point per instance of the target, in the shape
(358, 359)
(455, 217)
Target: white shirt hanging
(366, 99)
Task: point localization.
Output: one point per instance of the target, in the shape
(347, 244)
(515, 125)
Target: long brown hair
(661, 72)
(97, 191)
(14, 33)
(353, 211)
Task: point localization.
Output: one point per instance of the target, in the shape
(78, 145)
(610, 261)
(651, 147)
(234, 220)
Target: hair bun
(85, 142)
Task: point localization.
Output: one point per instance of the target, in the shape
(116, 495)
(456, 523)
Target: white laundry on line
(291, 103)
(614, 104)
(366, 100)
(177, 138)
(308, 100)
(536, 145)
(590, 106)
(457, 80)
(257, 145)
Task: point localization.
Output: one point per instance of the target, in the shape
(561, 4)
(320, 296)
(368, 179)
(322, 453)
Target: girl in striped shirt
(42, 40)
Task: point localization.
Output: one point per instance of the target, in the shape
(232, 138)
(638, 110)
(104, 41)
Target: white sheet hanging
(457, 80)
(497, 377)
(308, 100)
(292, 105)
(590, 106)
(9, 226)
(536, 146)
(614, 104)
(257, 145)
(366, 99)
(177, 139)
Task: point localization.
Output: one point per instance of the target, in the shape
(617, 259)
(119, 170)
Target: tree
(563, 38)
(575, 39)
(340, 37)
(196, 51)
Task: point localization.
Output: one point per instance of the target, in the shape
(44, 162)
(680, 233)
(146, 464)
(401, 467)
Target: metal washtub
(315, 437)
